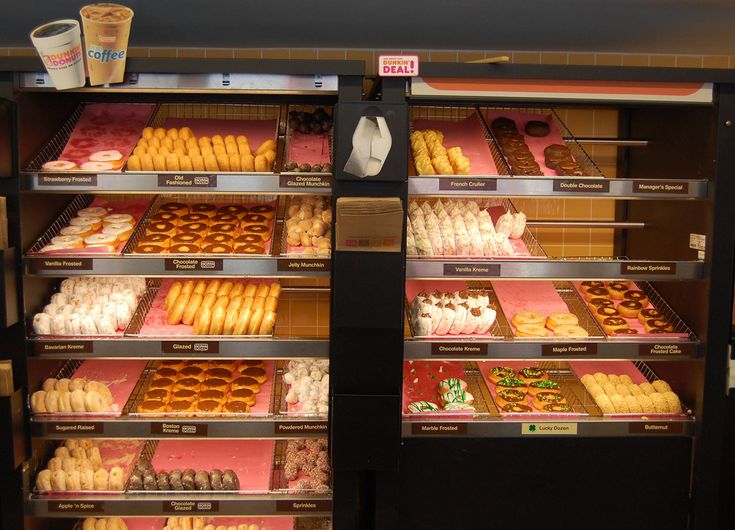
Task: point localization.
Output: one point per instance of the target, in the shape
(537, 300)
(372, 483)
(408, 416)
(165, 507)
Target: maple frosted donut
(528, 317)
(68, 241)
(531, 330)
(561, 319)
(100, 239)
(59, 165)
(96, 166)
(121, 231)
(570, 331)
(110, 155)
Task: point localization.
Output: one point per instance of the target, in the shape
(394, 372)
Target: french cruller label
(458, 184)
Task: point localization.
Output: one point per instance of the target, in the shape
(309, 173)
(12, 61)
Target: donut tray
(269, 523)
(285, 409)
(292, 251)
(288, 144)
(278, 480)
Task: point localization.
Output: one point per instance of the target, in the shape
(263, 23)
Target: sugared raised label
(472, 269)
(174, 346)
(660, 186)
(460, 184)
(582, 185)
(77, 346)
(188, 264)
(62, 264)
(688, 349)
(179, 429)
(191, 506)
(438, 429)
(634, 267)
(304, 181)
(187, 181)
(674, 427)
(75, 428)
(316, 505)
(63, 506)
(453, 348)
(549, 429)
(300, 427)
(52, 180)
(561, 350)
(302, 265)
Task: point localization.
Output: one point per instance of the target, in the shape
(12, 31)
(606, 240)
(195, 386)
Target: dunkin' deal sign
(398, 65)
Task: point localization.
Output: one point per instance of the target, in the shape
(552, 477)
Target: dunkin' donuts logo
(62, 59)
(105, 55)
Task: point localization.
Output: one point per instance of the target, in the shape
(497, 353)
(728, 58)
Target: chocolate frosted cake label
(647, 268)
(452, 348)
(76, 506)
(472, 269)
(188, 264)
(687, 349)
(62, 264)
(179, 429)
(660, 186)
(571, 349)
(463, 184)
(190, 506)
(582, 185)
(304, 181)
(75, 428)
(51, 180)
(187, 181)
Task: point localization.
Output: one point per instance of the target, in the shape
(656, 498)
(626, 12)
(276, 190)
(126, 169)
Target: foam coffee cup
(106, 33)
(60, 47)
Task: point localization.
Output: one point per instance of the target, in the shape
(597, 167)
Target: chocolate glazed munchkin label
(188, 265)
(190, 506)
(189, 347)
(76, 507)
(472, 269)
(453, 348)
(52, 180)
(304, 181)
(582, 186)
(187, 181)
(561, 350)
(647, 268)
(459, 184)
(660, 186)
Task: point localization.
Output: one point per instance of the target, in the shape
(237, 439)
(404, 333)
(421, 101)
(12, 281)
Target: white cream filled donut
(122, 231)
(118, 218)
(100, 239)
(93, 211)
(111, 155)
(93, 223)
(96, 166)
(58, 165)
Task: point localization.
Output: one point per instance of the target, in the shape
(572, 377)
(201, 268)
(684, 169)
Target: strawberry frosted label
(398, 65)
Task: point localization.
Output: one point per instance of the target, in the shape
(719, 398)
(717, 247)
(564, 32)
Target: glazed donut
(183, 248)
(262, 291)
(58, 480)
(149, 249)
(200, 287)
(161, 227)
(94, 223)
(94, 402)
(51, 400)
(43, 480)
(219, 313)
(175, 207)
(73, 480)
(192, 306)
(81, 231)
(258, 303)
(187, 238)
(101, 479)
(218, 238)
(561, 319)
(237, 290)
(116, 479)
(254, 219)
(121, 231)
(68, 241)
(531, 330)
(243, 320)
(202, 320)
(250, 290)
(173, 293)
(265, 210)
(255, 321)
(38, 401)
(233, 313)
(268, 323)
(176, 310)
(188, 286)
(528, 317)
(225, 288)
(58, 165)
(570, 330)
(217, 249)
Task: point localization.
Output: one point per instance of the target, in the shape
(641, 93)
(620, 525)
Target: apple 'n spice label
(660, 186)
(300, 427)
(316, 505)
(634, 267)
(472, 269)
(64, 506)
(304, 181)
(687, 349)
(302, 265)
(62, 264)
(179, 429)
(189, 265)
(77, 346)
(674, 427)
(443, 349)
(582, 185)
(52, 180)
(190, 506)
(561, 350)
(463, 184)
(75, 428)
(189, 347)
(438, 429)
(187, 181)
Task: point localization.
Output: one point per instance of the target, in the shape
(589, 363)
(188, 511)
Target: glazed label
(582, 185)
(187, 181)
(453, 348)
(563, 350)
(660, 186)
(549, 429)
(472, 269)
(301, 428)
(304, 181)
(189, 347)
(75, 429)
(686, 349)
(76, 507)
(50, 180)
(302, 265)
(188, 265)
(81, 346)
(179, 429)
(190, 506)
(647, 268)
(438, 429)
(62, 264)
(656, 428)
(304, 506)
(455, 184)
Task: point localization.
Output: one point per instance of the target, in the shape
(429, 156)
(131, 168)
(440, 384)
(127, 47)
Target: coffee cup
(106, 32)
(60, 47)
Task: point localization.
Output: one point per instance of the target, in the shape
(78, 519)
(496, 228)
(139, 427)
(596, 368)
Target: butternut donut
(149, 249)
(531, 330)
(175, 207)
(528, 317)
(183, 248)
(192, 306)
(268, 323)
(217, 249)
(202, 321)
(255, 219)
(218, 238)
(176, 311)
(255, 320)
(249, 249)
(187, 238)
(161, 227)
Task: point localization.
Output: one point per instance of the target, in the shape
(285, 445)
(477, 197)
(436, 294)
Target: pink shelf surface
(421, 381)
(145, 523)
(251, 460)
(536, 296)
(265, 523)
(469, 134)
(309, 148)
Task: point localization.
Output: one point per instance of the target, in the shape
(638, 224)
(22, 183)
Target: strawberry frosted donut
(111, 155)
(59, 165)
(68, 241)
(118, 218)
(93, 211)
(96, 166)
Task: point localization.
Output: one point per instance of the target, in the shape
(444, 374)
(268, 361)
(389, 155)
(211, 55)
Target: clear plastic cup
(106, 32)
(60, 47)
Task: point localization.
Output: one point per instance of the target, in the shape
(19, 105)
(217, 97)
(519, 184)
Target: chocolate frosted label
(582, 185)
(76, 507)
(53, 180)
(190, 506)
(453, 348)
(438, 429)
(460, 184)
(302, 265)
(301, 428)
(188, 264)
(688, 349)
(75, 428)
(187, 181)
(660, 186)
(561, 350)
(179, 429)
(674, 427)
(304, 181)
(472, 269)
(316, 505)
(62, 264)
(633, 267)
(80, 346)
(189, 347)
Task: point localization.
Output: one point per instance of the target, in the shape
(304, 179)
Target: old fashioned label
(76, 346)
(62, 506)
(175, 346)
(472, 269)
(453, 348)
(570, 349)
(62, 264)
(300, 427)
(179, 429)
(674, 427)
(53, 180)
(302, 265)
(438, 429)
(460, 184)
(672, 348)
(304, 181)
(187, 181)
(75, 428)
(634, 267)
(549, 429)
(189, 265)
(582, 185)
(190, 506)
(660, 186)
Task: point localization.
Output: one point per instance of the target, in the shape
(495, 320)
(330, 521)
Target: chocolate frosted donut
(249, 249)
(264, 209)
(183, 248)
(233, 209)
(536, 128)
(174, 207)
(217, 248)
(598, 292)
(225, 218)
(208, 209)
(160, 227)
(600, 302)
(219, 237)
(149, 249)
(230, 481)
(187, 238)
(201, 481)
(249, 239)
(193, 218)
(254, 218)
(199, 228)
(167, 217)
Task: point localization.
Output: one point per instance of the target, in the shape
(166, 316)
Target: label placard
(549, 429)
(76, 507)
(187, 181)
(304, 181)
(472, 269)
(670, 348)
(438, 429)
(76, 346)
(460, 184)
(300, 428)
(582, 185)
(398, 65)
(634, 267)
(461, 349)
(75, 428)
(179, 429)
(303, 265)
(189, 347)
(190, 506)
(197, 264)
(317, 505)
(53, 180)
(674, 427)
(62, 264)
(660, 186)
(568, 349)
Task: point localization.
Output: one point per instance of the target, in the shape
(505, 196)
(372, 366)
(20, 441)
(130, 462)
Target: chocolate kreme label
(453, 348)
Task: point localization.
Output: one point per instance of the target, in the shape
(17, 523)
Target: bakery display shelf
(159, 523)
(315, 179)
(590, 423)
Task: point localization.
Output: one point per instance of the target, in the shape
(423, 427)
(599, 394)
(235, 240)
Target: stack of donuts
(431, 157)
(309, 224)
(534, 324)
(617, 394)
(145, 478)
(217, 307)
(199, 523)
(106, 523)
(180, 150)
(71, 395)
(94, 227)
(307, 462)
(515, 389)
(204, 228)
(78, 466)
(308, 384)
(514, 147)
(90, 305)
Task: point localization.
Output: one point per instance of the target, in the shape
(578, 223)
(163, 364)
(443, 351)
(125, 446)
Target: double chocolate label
(300, 427)
(53, 180)
(190, 506)
(179, 429)
(304, 181)
(75, 428)
(195, 264)
(303, 265)
(674, 427)
(660, 186)
(76, 507)
(460, 184)
(189, 347)
(462, 349)
(570, 349)
(74, 346)
(316, 505)
(62, 264)
(187, 181)
(671, 348)
(438, 429)
(634, 267)
(472, 269)
(582, 185)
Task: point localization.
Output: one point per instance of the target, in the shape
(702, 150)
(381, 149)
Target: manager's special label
(76, 506)
(302, 265)
(188, 264)
(175, 346)
(187, 181)
(304, 181)
(688, 349)
(453, 348)
(472, 269)
(62, 264)
(562, 350)
(634, 267)
(51, 180)
(549, 429)
(300, 427)
(660, 186)
(674, 427)
(316, 505)
(190, 506)
(582, 185)
(79, 428)
(460, 184)
(438, 429)
(73, 346)
(179, 429)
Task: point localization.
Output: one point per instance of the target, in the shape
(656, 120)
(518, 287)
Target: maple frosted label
(674, 427)
(660, 186)
(79, 346)
(561, 350)
(398, 65)
(301, 428)
(187, 264)
(452, 348)
(316, 505)
(76, 428)
(304, 181)
(299, 265)
(187, 181)
(190, 506)
(76, 507)
(472, 269)
(647, 268)
(179, 429)
(549, 429)
(438, 429)
(582, 185)
(62, 264)
(189, 347)
(673, 348)
(460, 184)
(45, 180)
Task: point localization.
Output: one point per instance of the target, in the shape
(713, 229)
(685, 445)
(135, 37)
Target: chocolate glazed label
(460, 184)
(190, 506)
(52, 180)
(187, 181)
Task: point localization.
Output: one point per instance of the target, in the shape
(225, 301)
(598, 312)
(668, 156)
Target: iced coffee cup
(60, 47)
(106, 32)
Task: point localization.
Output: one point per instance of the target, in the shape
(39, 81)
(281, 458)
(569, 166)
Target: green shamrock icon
(532, 428)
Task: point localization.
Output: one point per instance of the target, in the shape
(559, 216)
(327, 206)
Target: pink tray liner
(155, 324)
(309, 148)
(106, 126)
(486, 366)
(528, 296)
(425, 389)
(134, 207)
(535, 144)
(252, 460)
(469, 134)
(265, 523)
(414, 287)
(634, 323)
(120, 376)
